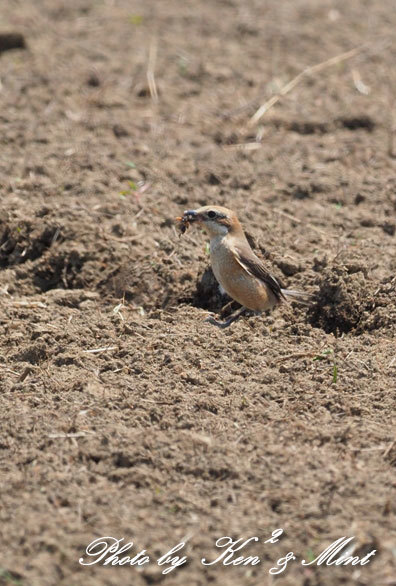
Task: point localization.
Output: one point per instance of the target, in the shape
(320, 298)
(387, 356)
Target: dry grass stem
(150, 71)
(104, 349)
(296, 80)
(298, 221)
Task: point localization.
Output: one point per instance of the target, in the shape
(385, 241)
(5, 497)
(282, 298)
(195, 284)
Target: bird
(239, 272)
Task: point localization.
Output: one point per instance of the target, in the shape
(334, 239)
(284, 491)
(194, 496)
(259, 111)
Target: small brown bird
(238, 270)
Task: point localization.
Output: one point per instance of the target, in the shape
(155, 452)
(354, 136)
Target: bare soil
(122, 412)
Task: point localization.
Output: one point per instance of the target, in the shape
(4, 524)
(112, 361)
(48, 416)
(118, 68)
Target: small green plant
(132, 187)
(335, 373)
(310, 556)
(136, 19)
(182, 64)
(323, 354)
(9, 578)
(244, 403)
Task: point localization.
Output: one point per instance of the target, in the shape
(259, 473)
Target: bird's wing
(253, 265)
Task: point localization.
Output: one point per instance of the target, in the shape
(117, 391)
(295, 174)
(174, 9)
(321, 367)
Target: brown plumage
(238, 270)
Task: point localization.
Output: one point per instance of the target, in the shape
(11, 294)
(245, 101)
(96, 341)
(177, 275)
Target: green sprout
(335, 373)
(182, 65)
(323, 354)
(132, 187)
(136, 19)
(310, 556)
(9, 578)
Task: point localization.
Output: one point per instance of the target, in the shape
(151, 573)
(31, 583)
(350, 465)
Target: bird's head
(217, 220)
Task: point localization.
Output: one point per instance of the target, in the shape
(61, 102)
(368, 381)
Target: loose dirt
(122, 412)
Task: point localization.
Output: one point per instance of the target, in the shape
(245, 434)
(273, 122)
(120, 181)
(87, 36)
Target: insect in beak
(186, 219)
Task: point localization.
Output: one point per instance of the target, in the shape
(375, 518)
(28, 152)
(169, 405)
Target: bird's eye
(212, 214)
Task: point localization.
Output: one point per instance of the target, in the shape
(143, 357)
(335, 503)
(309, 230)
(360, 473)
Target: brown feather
(253, 265)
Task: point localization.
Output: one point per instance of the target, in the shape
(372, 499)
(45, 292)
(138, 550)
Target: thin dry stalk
(296, 80)
(70, 435)
(298, 221)
(243, 146)
(150, 71)
(388, 449)
(97, 350)
(391, 363)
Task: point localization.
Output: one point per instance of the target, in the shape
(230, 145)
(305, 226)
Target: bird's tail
(298, 296)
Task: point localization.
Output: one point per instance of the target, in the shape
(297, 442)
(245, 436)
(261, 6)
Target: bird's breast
(238, 282)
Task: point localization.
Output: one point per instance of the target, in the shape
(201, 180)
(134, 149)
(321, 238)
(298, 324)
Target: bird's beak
(188, 217)
(191, 216)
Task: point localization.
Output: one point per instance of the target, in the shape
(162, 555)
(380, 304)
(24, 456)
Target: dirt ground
(123, 413)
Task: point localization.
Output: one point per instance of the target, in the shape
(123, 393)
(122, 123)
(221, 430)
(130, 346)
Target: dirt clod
(338, 305)
(122, 411)
(10, 41)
